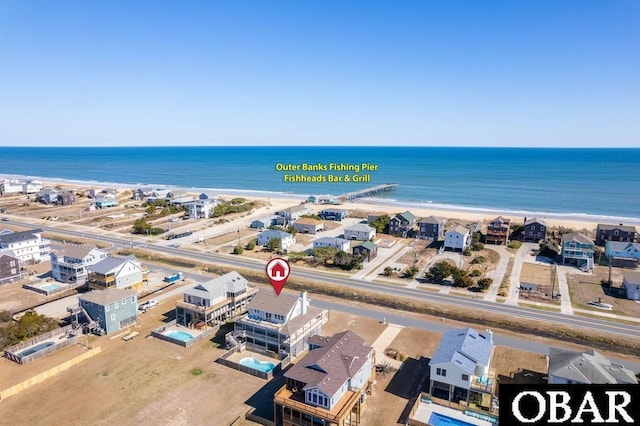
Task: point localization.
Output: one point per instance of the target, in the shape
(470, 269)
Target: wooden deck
(354, 195)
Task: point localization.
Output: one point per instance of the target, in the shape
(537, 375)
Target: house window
(465, 377)
(113, 317)
(12, 263)
(107, 308)
(530, 233)
(267, 316)
(124, 301)
(441, 372)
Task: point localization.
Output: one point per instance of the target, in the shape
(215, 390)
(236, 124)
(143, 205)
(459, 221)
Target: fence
(61, 288)
(222, 359)
(13, 352)
(39, 378)
(257, 419)
(159, 334)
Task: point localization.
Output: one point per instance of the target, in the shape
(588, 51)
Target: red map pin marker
(278, 271)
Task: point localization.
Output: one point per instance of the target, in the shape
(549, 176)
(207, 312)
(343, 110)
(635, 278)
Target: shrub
(467, 251)
(388, 271)
(515, 244)
(485, 283)
(477, 246)
(475, 273)
(410, 272)
(237, 250)
(478, 260)
(401, 356)
(439, 272)
(251, 245)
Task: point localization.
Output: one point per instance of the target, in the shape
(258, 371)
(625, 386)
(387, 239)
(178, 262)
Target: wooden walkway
(354, 195)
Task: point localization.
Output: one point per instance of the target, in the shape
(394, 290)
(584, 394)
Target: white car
(148, 305)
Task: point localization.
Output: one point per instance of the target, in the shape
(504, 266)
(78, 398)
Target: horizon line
(320, 146)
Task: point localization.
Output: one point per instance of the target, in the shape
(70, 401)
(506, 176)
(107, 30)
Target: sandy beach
(278, 201)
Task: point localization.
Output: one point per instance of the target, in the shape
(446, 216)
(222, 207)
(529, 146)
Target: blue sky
(429, 73)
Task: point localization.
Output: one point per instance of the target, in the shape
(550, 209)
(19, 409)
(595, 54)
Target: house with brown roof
(287, 216)
(498, 231)
(278, 324)
(621, 233)
(308, 226)
(535, 229)
(327, 386)
(431, 228)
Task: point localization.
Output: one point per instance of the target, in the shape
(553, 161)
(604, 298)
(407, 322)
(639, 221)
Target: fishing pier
(354, 195)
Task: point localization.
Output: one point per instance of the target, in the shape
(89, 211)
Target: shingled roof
(331, 362)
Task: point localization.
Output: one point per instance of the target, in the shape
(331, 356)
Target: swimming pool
(51, 287)
(183, 336)
(35, 349)
(263, 366)
(437, 419)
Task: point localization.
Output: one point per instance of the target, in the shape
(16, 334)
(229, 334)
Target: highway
(600, 325)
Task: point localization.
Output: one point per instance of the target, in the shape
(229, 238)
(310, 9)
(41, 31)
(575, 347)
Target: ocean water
(595, 182)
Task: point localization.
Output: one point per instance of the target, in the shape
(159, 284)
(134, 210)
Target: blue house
(618, 250)
(113, 309)
(105, 202)
(263, 222)
(334, 214)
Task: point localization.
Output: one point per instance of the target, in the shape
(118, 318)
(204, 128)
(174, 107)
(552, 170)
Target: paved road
(441, 327)
(415, 294)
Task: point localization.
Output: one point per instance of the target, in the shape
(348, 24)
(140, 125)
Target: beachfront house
(28, 246)
(201, 208)
(622, 254)
(328, 385)
(31, 186)
(278, 324)
(287, 216)
(263, 222)
(402, 224)
(71, 263)
(359, 232)
(367, 249)
(339, 244)
(498, 231)
(308, 226)
(460, 367)
(215, 302)
(113, 309)
(48, 196)
(10, 270)
(118, 272)
(334, 214)
(10, 186)
(457, 238)
(631, 285)
(620, 233)
(577, 249)
(285, 239)
(586, 368)
(154, 194)
(431, 228)
(179, 198)
(105, 202)
(535, 229)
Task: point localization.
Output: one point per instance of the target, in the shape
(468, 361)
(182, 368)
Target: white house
(631, 284)
(27, 246)
(460, 365)
(457, 238)
(569, 367)
(339, 244)
(359, 232)
(71, 263)
(202, 208)
(282, 324)
(286, 239)
(116, 272)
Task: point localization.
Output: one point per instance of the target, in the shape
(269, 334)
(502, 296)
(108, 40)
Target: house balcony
(294, 402)
(484, 384)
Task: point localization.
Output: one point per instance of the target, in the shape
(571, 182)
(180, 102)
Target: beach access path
(498, 274)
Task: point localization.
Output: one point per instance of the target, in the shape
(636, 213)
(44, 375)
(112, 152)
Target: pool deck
(54, 340)
(236, 357)
(424, 411)
(192, 331)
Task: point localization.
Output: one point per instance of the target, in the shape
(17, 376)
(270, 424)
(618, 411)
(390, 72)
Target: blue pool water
(442, 420)
(251, 362)
(35, 349)
(50, 287)
(179, 335)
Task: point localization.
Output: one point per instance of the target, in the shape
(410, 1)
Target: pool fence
(13, 352)
(204, 334)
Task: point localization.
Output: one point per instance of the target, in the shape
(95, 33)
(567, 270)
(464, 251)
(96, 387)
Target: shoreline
(372, 204)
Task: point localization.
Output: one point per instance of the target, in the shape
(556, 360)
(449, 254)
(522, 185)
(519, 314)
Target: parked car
(148, 305)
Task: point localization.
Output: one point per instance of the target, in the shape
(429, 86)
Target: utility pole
(554, 271)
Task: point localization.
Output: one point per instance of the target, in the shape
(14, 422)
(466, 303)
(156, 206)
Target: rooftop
(577, 237)
(16, 237)
(535, 220)
(621, 227)
(587, 367)
(106, 297)
(464, 347)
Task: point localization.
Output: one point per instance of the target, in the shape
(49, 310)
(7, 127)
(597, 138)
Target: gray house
(71, 263)
(624, 233)
(402, 223)
(334, 214)
(287, 216)
(431, 228)
(569, 367)
(9, 267)
(113, 309)
(263, 222)
(368, 249)
(360, 232)
(535, 229)
(631, 284)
